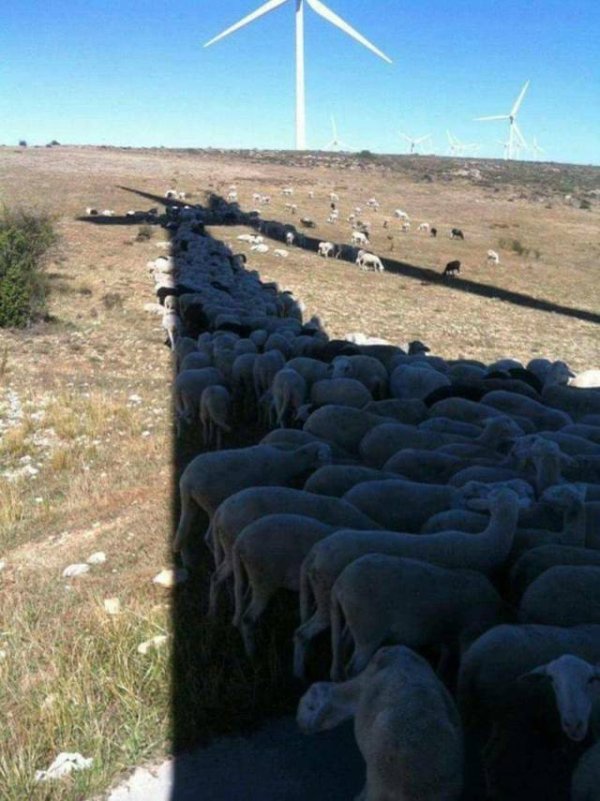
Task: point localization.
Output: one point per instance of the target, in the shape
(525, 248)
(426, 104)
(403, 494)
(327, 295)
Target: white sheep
(260, 248)
(289, 237)
(492, 257)
(366, 369)
(265, 367)
(405, 724)
(586, 379)
(242, 508)
(424, 226)
(325, 249)
(266, 557)
(368, 261)
(452, 549)
(414, 603)
(280, 253)
(210, 478)
(289, 392)
(401, 215)
(405, 226)
(215, 411)
(358, 238)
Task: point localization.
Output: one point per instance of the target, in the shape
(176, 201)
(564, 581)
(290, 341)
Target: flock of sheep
(441, 518)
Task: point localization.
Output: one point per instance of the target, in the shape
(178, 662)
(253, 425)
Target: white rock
(2, 564)
(75, 570)
(170, 577)
(64, 764)
(154, 643)
(112, 606)
(96, 558)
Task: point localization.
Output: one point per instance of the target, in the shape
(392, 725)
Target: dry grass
(85, 450)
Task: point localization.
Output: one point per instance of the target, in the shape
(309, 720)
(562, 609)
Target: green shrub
(516, 246)
(144, 233)
(25, 238)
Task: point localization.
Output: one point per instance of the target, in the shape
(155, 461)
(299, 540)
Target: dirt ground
(85, 424)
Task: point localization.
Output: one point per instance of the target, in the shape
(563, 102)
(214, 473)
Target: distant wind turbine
(516, 139)
(458, 148)
(414, 143)
(335, 144)
(537, 150)
(322, 11)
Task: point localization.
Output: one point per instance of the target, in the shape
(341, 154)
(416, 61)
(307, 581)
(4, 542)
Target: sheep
(306, 222)
(359, 238)
(92, 212)
(404, 411)
(260, 248)
(343, 425)
(451, 549)
(564, 595)
(336, 480)
(497, 431)
(456, 233)
(171, 322)
(215, 409)
(492, 257)
(265, 367)
(325, 249)
(423, 466)
(188, 389)
(289, 392)
(268, 554)
(311, 370)
(368, 261)
(414, 603)
(405, 724)
(382, 442)
(405, 227)
(365, 369)
(415, 381)
(452, 268)
(424, 226)
(585, 781)
(433, 232)
(534, 562)
(400, 215)
(340, 391)
(588, 379)
(513, 404)
(242, 508)
(572, 401)
(210, 478)
(196, 360)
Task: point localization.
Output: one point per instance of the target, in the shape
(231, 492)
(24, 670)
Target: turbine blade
(406, 138)
(520, 135)
(519, 100)
(327, 14)
(496, 117)
(264, 9)
(422, 139)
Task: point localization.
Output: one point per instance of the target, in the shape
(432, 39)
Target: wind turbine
(335, 144)
(515, 137)
(320, 9)
(458, 148)
(414, 142)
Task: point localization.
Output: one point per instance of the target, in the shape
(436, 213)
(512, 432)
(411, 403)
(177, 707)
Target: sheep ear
(536, 674)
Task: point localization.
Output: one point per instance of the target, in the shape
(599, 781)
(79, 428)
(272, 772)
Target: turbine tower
(320, 9)
(414, 143)
(516, 140)
(336, 143)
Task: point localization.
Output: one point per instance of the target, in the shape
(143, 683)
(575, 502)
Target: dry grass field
(85, 423)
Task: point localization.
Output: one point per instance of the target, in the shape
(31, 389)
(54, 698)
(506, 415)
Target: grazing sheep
(265, 368)
(188, 389)
(325, 249)
(280, 253)
(452, 268)
(215, 411)
(415, 381)
(456, 233)
(400, 215)
(311, 370)
(492, 257)
(433, 232)
(564, 595)
(343, 425)
(531, 564)
(335, 479)
(587, 379)
(289, 392)
(368, 261)
(210, 478)
(414, 603)
(359, 238)
(405, 724)
(366, 369)
(242, 508)
(451, 549)
(340, 391)
(423, 226)
(267, 555)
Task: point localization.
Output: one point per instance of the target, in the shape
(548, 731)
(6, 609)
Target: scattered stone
(170, 577)
(96, 558)
(64, 764)
(72, 571)
(2, 564)
(153, 644)
(112, 606)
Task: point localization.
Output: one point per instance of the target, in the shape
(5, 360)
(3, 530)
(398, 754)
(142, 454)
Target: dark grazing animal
(456, 233)
(307, 222)
(433, 232)
(452, 268)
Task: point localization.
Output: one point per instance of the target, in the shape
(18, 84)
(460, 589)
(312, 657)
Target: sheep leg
(221, 574)
(189, 515)
(360, 659)
(337, 615)
(302, 637)
(258, 604)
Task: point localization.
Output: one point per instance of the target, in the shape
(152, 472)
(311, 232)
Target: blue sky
(108, 72)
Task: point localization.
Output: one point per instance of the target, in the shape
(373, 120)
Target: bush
(22, 143)
(144, 233)
(516, 246)
(585, 205)
(25, 239)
